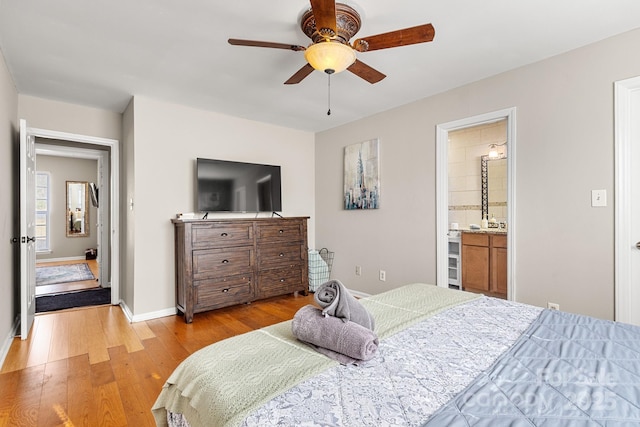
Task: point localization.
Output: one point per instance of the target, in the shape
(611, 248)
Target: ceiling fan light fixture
(330, 57)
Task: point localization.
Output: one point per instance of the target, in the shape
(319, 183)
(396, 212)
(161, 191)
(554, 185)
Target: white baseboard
(6, 343)
(146, 316)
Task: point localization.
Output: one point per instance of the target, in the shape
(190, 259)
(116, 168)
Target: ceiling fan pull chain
(329, 94)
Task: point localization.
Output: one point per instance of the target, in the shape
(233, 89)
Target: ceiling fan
(330, 26)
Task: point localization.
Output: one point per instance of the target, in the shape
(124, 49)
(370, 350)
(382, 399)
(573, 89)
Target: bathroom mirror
(77, 224)
(494, 187)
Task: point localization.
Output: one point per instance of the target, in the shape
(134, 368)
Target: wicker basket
(320, 263)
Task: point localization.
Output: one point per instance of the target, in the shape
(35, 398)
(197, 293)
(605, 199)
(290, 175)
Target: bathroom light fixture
(493, 151)
(330, 57)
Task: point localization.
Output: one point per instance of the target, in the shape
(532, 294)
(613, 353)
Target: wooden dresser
(234, 261)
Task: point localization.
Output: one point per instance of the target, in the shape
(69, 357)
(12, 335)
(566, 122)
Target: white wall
(564, 137)
(9, 173)
(71, 118)
(167, 139)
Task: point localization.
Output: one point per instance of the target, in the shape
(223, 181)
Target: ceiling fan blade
(254, 43)
(365, 72)
(324, 12)
(420, 34)
(299, 75)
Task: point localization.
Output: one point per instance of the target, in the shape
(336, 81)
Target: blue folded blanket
(335, 300)
(346, 342)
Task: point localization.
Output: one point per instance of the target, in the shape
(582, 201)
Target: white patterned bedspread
(414, 373)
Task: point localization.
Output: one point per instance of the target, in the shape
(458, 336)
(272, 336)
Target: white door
(627, 201)
(27, 230)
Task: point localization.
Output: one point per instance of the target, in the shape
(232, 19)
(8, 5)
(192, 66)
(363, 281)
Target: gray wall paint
(64, 169)
(564, 132)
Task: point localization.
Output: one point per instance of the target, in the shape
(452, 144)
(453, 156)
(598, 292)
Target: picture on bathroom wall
(362, 175)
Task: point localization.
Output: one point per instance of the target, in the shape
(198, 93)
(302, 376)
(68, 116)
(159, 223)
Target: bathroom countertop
(481, 231)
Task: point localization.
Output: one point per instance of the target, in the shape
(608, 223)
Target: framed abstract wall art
(362, 175)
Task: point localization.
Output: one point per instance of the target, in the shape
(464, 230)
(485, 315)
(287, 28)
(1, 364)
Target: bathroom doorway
(467, 208)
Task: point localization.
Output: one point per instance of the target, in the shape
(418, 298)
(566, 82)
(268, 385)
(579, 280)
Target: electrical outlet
(358, 270)
(553, 306)
(383, 275)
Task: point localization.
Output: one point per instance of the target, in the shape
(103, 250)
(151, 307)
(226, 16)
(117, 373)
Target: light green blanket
(221, 384)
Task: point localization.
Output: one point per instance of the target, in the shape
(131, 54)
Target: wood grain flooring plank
(17, 355)
(81, 406)
(150, 377)
(142, 330)
(162, 359)
(96, 342)
(136, 407)
(117, 329)
(53, 400)
(26, 407)
(101, 373)
(60, 346)
(78, 336)
(108, 405)
(170, 343)
(41, 340)
(8, 385)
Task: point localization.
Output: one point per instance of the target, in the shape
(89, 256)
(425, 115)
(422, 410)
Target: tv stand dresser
(223, 262)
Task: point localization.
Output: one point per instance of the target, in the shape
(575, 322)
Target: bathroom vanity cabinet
(484, 263)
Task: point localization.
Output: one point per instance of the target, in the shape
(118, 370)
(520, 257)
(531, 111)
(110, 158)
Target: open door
(27, 230)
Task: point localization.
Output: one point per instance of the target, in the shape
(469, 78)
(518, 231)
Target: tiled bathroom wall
(466, 146)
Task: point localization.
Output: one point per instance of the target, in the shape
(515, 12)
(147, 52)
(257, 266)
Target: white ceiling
(101, 52)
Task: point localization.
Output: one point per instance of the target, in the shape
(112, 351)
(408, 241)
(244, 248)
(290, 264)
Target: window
(43, 180)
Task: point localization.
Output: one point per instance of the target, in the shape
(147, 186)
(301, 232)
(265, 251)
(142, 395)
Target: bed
(445, 358)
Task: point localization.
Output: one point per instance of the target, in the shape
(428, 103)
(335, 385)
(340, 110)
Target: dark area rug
(98, 296)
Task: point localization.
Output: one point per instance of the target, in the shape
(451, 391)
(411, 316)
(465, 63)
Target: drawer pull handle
(225, 261)
(282, 280)
(281, 231)
(225, 290)
(281, 254)
(223, 235)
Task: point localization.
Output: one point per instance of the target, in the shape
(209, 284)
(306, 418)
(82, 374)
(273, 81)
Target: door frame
(114, 203)
(442, 192)
(627, 296)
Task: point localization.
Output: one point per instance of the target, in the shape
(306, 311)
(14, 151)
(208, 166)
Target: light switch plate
(598, 198)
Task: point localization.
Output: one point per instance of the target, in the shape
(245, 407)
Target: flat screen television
(226, 186)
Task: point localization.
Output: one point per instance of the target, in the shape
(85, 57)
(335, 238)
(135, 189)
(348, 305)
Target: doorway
(109, 181)
(442, 191)
(69, 226)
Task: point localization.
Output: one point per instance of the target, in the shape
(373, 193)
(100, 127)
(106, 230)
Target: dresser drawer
(280, 281)
(209, 263)
(274, 232)
(210, 235)
(280, 255)
(214, 293)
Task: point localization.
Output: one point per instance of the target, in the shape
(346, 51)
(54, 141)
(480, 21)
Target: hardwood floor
(90, 367)
(70, 286)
